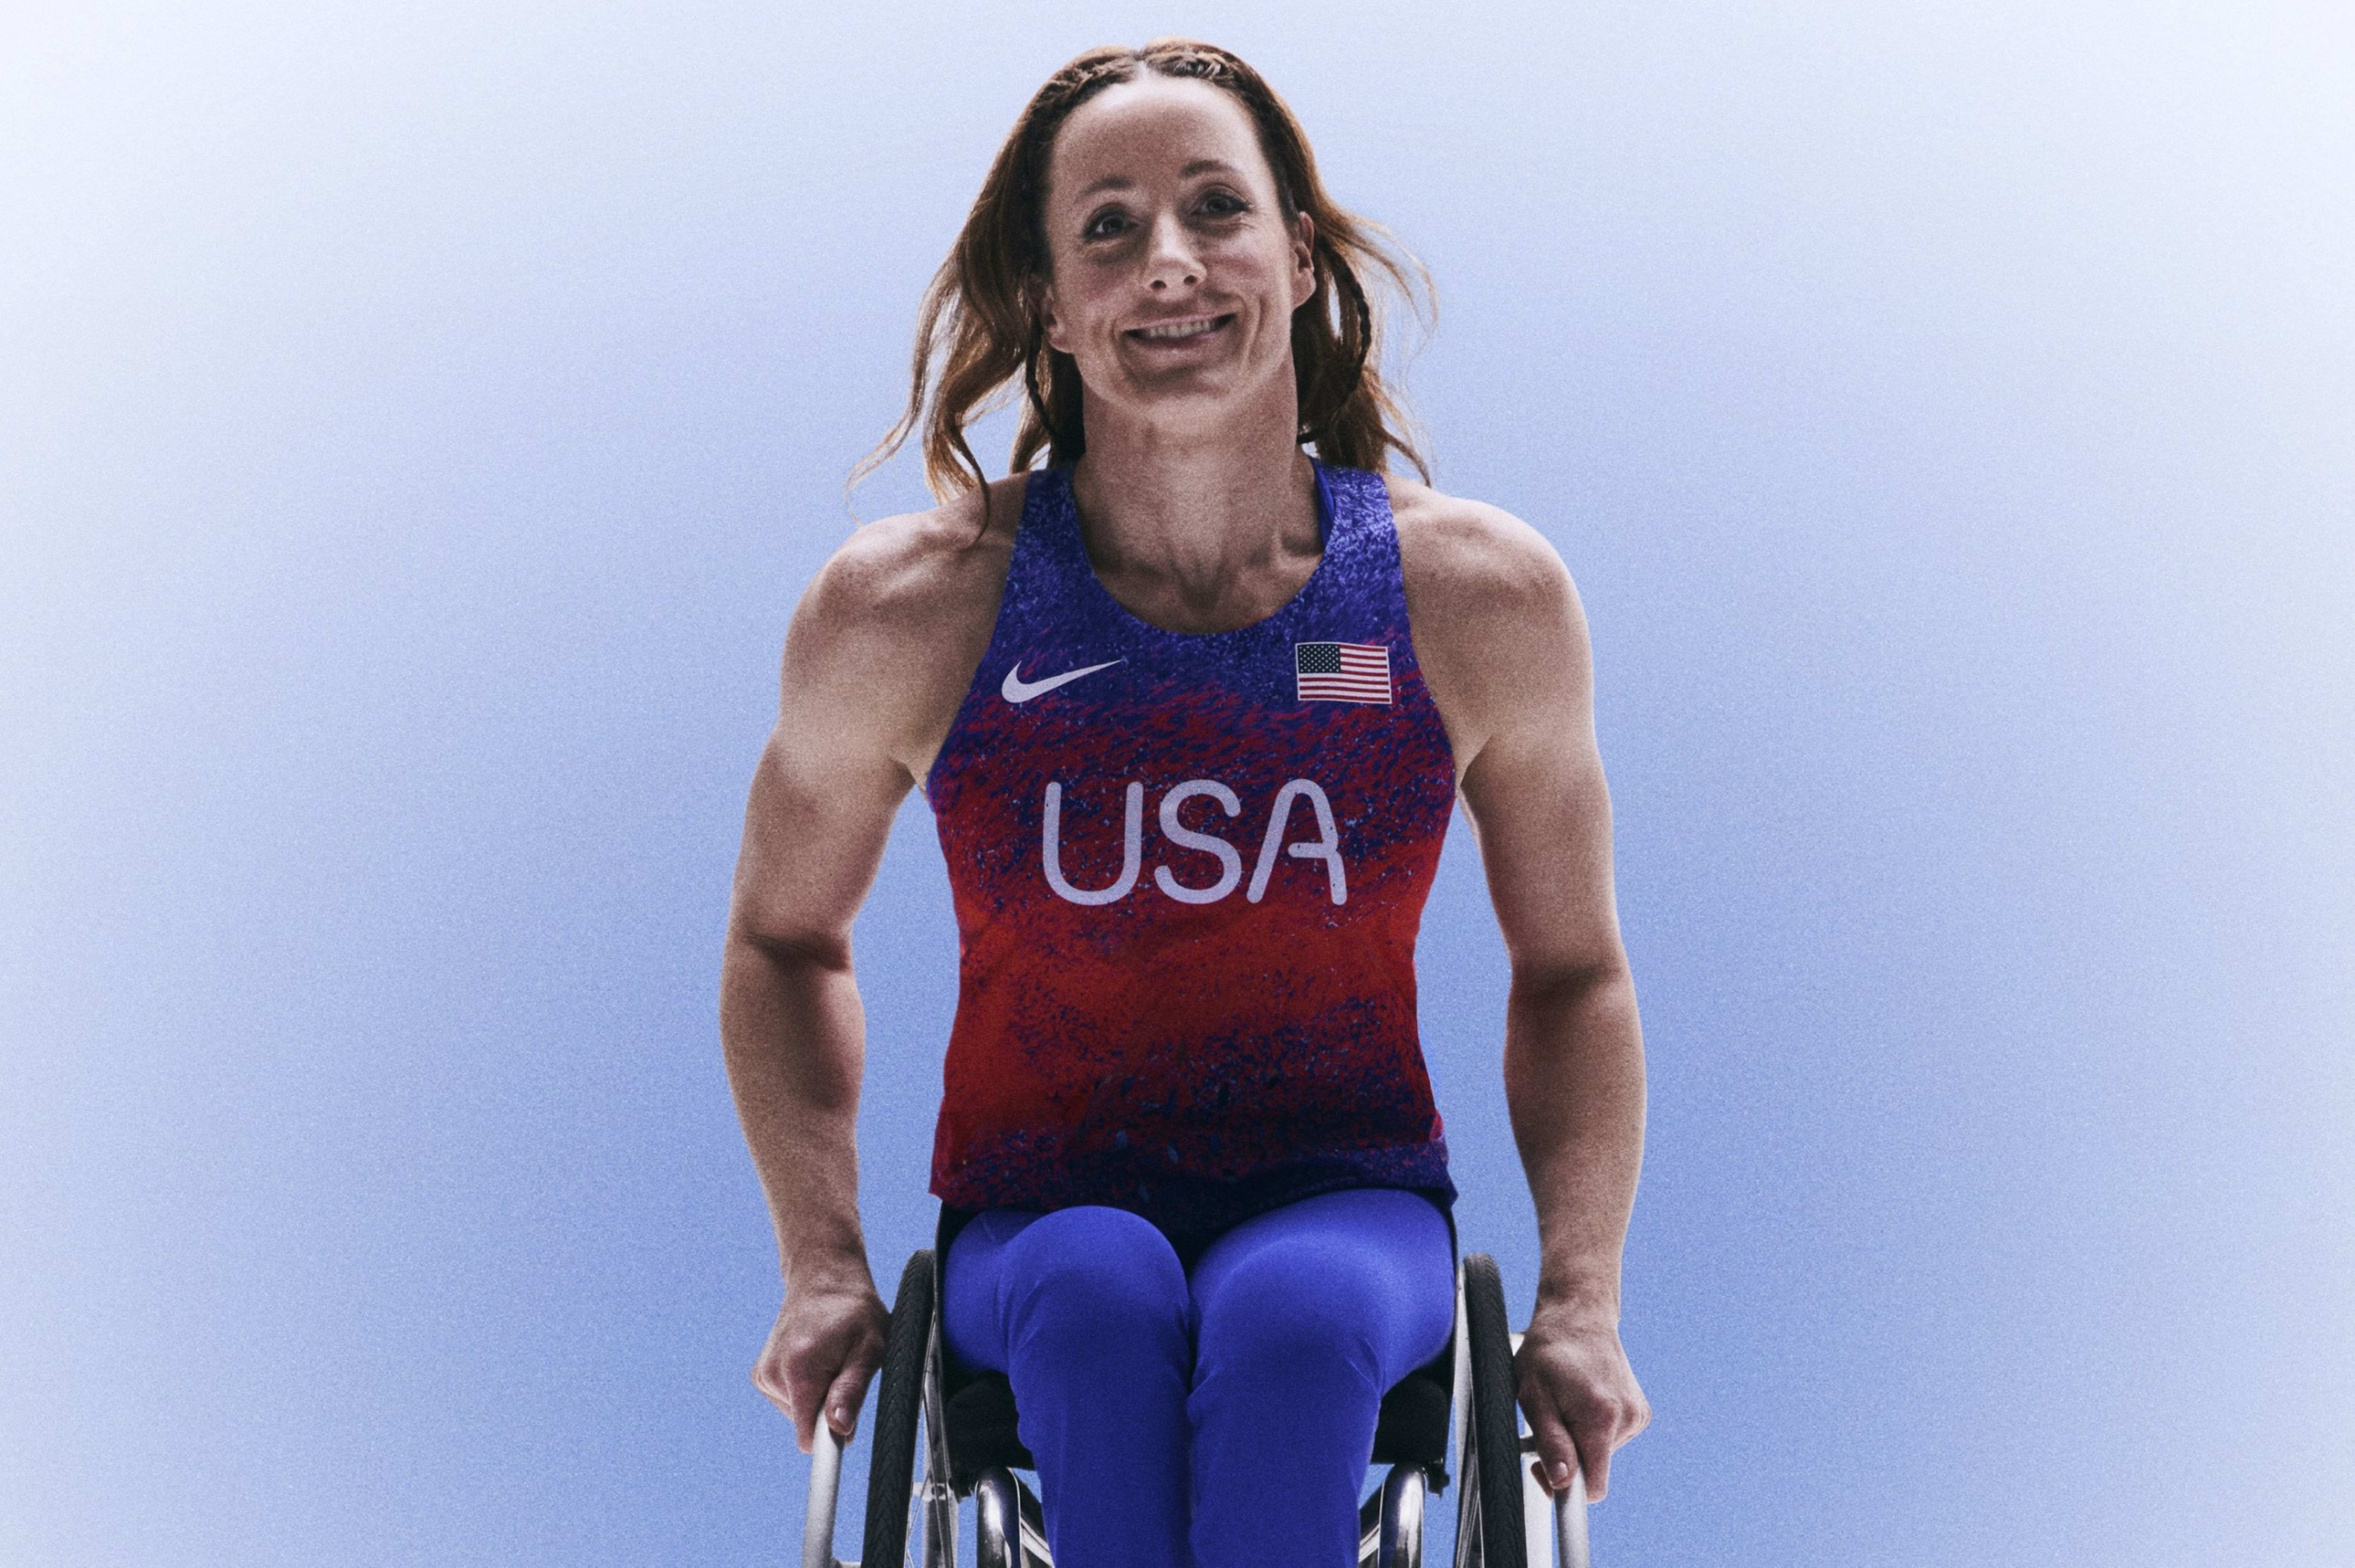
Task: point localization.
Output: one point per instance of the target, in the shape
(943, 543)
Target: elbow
(1557, 982)
(787, 946)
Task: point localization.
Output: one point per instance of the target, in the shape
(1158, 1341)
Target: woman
(1186, 1113)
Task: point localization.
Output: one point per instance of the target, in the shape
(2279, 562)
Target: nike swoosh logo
(1017, 689)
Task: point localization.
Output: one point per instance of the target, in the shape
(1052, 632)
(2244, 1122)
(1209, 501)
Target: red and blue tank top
(1188, 870)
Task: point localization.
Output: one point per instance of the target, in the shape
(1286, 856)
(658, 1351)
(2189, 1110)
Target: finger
(768, 1378)
(804, 1397)
(1594, 1446)
(848, 1394)
(771, 1386)
(1555, 1453)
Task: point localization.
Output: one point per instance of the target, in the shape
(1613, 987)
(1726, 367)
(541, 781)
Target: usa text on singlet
(1189, 872)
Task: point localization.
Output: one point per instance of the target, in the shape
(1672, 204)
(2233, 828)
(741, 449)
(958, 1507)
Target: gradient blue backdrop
(416, 422)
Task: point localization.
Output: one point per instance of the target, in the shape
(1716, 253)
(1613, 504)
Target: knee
(1269, 1317)
(1086, 1274)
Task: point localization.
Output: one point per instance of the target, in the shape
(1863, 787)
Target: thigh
(1083, 1282)
(1367, 1275)
(973, 1282)
(1085, 1311)
(1304, 1316)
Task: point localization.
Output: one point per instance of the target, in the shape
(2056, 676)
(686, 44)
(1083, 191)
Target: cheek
(1271, 270)
(1073, 311)
(1093, 316)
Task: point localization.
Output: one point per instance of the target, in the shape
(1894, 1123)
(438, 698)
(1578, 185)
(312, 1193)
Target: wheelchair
(1454, 1418)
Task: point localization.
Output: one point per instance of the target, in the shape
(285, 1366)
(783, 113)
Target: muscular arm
(871, 670)
(1501, 638)
(1574, 1050)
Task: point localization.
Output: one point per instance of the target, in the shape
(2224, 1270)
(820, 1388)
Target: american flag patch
(1341, 672)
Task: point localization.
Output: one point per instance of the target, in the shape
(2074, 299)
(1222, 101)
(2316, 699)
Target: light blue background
(416, 422)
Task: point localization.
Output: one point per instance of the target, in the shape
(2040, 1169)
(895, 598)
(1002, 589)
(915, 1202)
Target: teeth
(1180, 328)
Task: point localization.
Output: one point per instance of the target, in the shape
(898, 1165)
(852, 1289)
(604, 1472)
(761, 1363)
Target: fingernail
(1560, 1474)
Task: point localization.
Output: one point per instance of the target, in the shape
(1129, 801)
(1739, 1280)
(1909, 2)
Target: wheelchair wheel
(1489, 1520)
(898, 1396)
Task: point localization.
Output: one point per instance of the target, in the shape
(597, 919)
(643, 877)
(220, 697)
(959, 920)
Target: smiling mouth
(1179, 331)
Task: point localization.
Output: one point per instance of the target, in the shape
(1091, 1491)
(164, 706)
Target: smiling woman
(980, 323)
(1187, 1149)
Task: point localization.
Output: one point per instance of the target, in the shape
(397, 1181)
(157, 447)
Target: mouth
(1191, 329)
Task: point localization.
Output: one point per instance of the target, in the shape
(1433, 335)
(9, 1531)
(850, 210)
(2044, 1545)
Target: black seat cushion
(980, 1419)
(1412, 1428)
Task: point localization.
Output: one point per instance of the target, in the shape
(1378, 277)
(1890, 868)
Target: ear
(1042, 305)
(1303, 258)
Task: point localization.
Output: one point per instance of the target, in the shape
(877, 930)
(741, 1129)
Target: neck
(1214, 526)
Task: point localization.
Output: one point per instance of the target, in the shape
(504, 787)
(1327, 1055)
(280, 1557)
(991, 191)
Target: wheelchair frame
(1501, 1508)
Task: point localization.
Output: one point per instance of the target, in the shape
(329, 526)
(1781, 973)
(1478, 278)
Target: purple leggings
(1221, 1418)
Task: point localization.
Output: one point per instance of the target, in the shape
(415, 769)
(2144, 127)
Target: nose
(1170, 260)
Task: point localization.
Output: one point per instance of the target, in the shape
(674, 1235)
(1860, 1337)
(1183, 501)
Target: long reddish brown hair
(979, 330)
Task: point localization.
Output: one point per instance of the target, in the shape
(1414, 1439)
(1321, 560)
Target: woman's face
(1175, 274)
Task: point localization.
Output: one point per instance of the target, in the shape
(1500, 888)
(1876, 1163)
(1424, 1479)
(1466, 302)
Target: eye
(1105, 225)
(1222, 204)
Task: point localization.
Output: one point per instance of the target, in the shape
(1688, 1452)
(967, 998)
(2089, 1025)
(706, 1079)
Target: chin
(1183, 405)
(1205, 392)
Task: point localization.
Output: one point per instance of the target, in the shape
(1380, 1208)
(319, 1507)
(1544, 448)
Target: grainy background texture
(415, 424)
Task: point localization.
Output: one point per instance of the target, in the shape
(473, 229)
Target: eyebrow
(1198, 166)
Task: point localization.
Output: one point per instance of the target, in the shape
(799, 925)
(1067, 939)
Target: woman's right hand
(826, 1344)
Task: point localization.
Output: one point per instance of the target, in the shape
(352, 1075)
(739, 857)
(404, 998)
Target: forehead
(1151, 131)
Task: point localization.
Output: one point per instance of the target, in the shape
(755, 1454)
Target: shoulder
(904, 574)
(1475, 572)
(1498, 628)
(885, 640)
(1460, 555)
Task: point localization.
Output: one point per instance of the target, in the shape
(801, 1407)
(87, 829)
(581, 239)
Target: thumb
(1556, 1455)
(843, 1396)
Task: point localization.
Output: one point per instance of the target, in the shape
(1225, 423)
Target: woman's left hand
(1580, 1395)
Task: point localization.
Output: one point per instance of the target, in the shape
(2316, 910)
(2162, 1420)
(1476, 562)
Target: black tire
(898, 1396)
(1494, 1432)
